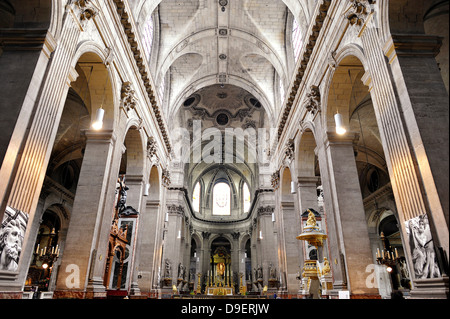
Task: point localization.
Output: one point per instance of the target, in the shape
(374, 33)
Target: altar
(219, 291)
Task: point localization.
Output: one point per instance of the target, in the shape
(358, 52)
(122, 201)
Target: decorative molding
(152, 150)
(359, 11)
(313, 104)
(165, 178)
(82, 11)
(125, 19)
(235, 235)
(175, 209)
(206, 235)
(266, 211)
(128, 97)
(311, 43)
(412, 45)
(289, 151)
(275, 180)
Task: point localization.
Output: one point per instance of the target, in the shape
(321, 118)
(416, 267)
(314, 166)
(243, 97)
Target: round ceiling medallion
(222, 119)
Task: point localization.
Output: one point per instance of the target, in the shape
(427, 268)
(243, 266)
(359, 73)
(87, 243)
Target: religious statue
(121, 205)
(260, 273)
(167, 269)
(221, 268)
(181, 271)
(326, 267)
(272, 272)
(10, 245)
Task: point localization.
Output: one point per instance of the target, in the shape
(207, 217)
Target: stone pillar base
(66, 294)
(432, 288)
(11, 295)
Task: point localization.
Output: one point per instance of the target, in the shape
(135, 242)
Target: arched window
(148, 37)
(297, 40)
(222, 199)
(246, 197)
(196, 198)
(162, 88)
(282, 91)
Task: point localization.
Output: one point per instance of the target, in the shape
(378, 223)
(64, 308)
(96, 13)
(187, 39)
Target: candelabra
(387, 256)
(48, 254)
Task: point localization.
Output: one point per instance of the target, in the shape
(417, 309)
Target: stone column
(410, 102)
(173, 243)
(147, 237)
(135, 199)
(268, 243)
(292, 246)
(90, 221)
(307, 193)
(349, 211)
(32, 131)
(424, 101)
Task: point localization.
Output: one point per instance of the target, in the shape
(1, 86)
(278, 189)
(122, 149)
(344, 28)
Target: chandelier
(387, 256)
(49, 253)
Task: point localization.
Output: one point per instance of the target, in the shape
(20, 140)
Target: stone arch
(210, 80)
(100, 87)
(285, 183)
(155, 184)
(216, 237)
(337, 88)
(134, 151)
(196, 237)
(306, 156)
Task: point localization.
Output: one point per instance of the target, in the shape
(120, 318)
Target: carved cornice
(412, 45)
(323, 10)
(138, 56)
(25, 39)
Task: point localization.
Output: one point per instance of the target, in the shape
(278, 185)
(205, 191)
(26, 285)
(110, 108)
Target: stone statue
(326, 267)
(121, 205)
(10, 245)
(272, 272)
(260, 272)
(167, 269)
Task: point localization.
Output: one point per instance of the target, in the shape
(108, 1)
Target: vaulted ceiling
(202, 43)
(223, 62)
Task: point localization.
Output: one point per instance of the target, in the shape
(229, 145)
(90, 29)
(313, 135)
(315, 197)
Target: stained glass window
(297, 40)
(196, 198)
(222, 198)
(246, 198)
(148, 37)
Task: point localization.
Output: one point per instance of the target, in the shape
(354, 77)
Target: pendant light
(98, 123)
(146, 190)
(340, 129)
